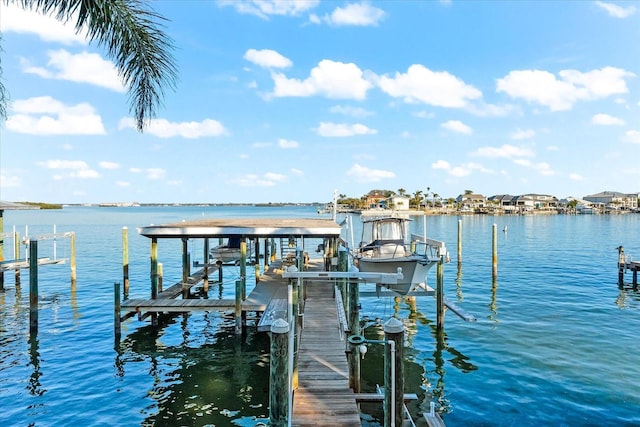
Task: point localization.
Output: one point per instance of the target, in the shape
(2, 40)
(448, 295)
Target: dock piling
(116, 310)
(394, 373)
(459, 241)
(33, 286)
(125, 261)
(440, 294)
(279, 374)
(621, 267)
(494, 259)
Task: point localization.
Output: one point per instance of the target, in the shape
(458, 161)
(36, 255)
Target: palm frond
(132, 34)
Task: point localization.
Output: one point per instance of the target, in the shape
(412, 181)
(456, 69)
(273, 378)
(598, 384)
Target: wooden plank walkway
(323, 396)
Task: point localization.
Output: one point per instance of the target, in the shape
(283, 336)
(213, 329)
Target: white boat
(229, 253)
(385, 246)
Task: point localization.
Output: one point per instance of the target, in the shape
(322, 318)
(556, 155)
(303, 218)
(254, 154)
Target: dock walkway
(323, 396)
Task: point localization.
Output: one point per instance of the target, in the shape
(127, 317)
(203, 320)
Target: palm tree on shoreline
(132, 35)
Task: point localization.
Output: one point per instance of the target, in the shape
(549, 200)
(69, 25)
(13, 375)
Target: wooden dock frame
(277, 295)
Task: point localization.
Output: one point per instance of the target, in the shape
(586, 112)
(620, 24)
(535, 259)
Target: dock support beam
(72, 257)
(125, 261)
(279, 374)
(238, 306)
(116, 311)
(393, 373)
(621, 267)
(154, 267)
(440, 294)
(459, 241)
(33, 286)
(353, 312)
(494, 259)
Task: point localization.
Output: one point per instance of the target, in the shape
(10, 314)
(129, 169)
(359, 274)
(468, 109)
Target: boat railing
(434, 249)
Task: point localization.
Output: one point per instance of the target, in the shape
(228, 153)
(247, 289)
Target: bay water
(555, 341)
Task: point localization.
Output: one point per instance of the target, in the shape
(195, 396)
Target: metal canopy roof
(247, 227)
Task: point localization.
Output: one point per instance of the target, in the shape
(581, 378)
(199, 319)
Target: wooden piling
(125, 261)
(33, 286)
(243, 267)
(72, 257)
(185, 268)
(494, 259)
(621, 267)
(459, 241)
(353, 319)
(154, 267)
(279, 375)
(160, 276)
(238, 306)
(16, 253)
(116, 310)
(440, 293)
(394, 373)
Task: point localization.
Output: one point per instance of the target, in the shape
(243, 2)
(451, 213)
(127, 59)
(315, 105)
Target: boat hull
(414, 270)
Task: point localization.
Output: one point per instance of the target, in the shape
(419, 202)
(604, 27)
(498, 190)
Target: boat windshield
(383, 230)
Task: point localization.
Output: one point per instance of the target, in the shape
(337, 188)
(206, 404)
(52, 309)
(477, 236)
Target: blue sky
(287, 101)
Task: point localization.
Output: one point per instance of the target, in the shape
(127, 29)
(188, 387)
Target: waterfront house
(471, 202)
(615, 200)
(398, 202)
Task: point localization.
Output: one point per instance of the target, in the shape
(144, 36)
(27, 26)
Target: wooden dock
(323, 396)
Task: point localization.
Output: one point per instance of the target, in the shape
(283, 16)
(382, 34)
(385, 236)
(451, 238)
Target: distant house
(614, 200)
(504, 202)
(397, 202)
(530, 202)
(471, 202)
(376, 199)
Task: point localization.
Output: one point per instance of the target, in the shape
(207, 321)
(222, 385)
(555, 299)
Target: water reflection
(222, 381)
(628, 299)
(424, 370)
(34, 386)
(493, 306)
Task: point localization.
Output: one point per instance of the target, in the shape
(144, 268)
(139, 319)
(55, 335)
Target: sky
(293, 101)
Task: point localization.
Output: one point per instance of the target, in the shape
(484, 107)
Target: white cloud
(9, 181)
(155, 173)
(615, 10)
(265, 8)
(285, 143)
(607, 120)
(252, 180)
(296, 171)
(16, 19)
(163, 128)
(438, 88)
(560, 93)
(350, 111)
(632, 136)
(441, 164)
(363, 174)
(109, 165)
(505, 151)
(75, 168)
(81, 68)
(542, 168)
(332, 79)
(457, 126)
(123, 183)
(45, 115)
(267, 58)
(355, 14)
(576, 177)
(520, 134)
(461, 170)
(343, 129)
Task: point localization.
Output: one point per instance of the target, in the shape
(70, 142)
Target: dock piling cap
(393, 326)
(280, 326)
(356, 339)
